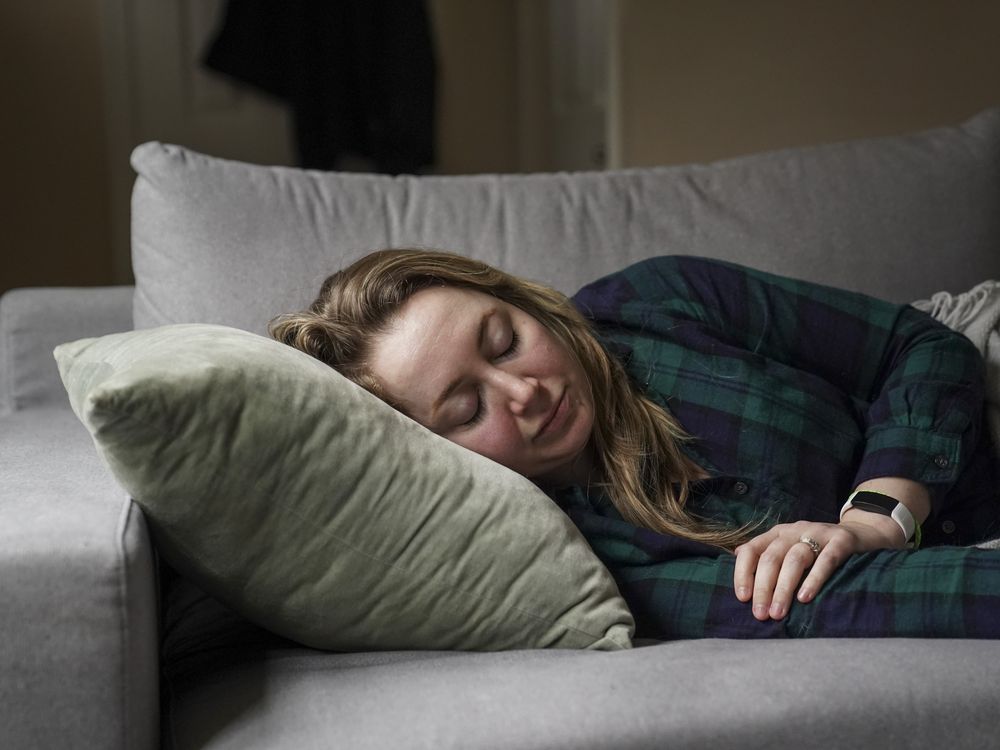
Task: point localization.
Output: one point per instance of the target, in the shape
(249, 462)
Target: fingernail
(743, 593)
(805, 595)
(777, 611)
(760, 611)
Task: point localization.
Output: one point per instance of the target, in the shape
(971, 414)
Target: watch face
(873, 502)
(876, 502)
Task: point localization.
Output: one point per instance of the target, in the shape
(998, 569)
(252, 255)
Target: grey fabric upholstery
(217, 241)
(78, 612)
(685, 695)
(34, 321)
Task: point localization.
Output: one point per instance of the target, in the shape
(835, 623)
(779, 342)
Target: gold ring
(812, 544)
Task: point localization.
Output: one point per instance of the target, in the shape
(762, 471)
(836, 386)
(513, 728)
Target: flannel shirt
(794, 393)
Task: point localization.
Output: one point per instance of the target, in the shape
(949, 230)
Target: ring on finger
(811, 543)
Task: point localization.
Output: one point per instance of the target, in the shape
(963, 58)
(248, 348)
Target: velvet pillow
(313, 509)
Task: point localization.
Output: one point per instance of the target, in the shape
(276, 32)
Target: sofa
(106, 645)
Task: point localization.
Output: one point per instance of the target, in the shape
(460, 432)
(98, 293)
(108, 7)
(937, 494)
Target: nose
(520, 392)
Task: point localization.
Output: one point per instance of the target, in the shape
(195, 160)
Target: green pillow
(313, 509)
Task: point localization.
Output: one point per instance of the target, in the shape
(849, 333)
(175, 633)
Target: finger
(766, 576)
(747, 556)
(826, 564)
(743, 572)
(797, 561)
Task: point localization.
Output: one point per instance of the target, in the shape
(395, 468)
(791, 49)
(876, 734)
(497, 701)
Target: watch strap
(876, 502)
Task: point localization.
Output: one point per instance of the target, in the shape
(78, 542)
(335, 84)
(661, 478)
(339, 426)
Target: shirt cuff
(931, 458)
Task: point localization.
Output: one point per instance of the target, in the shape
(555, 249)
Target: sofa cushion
(686, 695)
(218, 241)
(33, 321)
(317, 511)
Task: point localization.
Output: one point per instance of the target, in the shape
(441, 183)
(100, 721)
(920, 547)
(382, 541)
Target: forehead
(428, 339)
(438, 310)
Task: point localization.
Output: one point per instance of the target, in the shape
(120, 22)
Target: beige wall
(477, 74)
(716, 78)
(55, 200)
(53, 195)
(700, 80)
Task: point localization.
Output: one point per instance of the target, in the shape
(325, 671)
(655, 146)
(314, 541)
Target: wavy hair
(638, 454)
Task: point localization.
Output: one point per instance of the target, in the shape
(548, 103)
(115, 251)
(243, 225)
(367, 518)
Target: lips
(555, 419)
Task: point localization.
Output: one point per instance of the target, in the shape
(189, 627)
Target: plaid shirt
(795, 393)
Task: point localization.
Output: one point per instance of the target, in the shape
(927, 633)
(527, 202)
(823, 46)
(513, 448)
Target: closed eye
(515, 342)
(480, 413)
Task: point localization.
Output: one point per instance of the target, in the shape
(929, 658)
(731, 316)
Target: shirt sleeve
(939, 592)
(677, 589)
(918, 385)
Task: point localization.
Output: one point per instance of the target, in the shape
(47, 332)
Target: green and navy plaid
(795, 393)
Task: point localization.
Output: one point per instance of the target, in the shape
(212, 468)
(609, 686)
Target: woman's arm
(680, 589)
(917, 386)
(940, 592)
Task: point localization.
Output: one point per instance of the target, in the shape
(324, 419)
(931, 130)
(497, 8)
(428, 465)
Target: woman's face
(490, 377)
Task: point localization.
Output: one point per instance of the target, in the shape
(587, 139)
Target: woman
(684, 409)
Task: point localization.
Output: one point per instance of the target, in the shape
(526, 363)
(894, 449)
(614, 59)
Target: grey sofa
(104, 647)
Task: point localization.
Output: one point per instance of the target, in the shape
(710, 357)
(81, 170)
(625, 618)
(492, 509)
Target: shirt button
(948, 527)
(740, 488)
(941, 461)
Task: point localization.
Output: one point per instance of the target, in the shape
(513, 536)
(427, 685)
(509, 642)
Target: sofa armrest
(78, 611)
(34, 321)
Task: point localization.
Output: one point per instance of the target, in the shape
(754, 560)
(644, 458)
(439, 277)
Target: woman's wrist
(878, 531)
(911, 494)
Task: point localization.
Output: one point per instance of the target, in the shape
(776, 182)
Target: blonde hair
(637, 443)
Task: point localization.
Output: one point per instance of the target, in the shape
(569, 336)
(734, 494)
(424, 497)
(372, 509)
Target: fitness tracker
(876, 502)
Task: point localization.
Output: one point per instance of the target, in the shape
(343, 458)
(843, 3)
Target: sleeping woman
(749, 455)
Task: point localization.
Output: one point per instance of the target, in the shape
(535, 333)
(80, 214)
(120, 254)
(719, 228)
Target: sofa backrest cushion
(317, 511)
(34, 320)
(218, 241)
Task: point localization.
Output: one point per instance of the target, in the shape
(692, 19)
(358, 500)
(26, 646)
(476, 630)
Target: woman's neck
(582, 472)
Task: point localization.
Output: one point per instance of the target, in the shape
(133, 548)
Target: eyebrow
(454, 384)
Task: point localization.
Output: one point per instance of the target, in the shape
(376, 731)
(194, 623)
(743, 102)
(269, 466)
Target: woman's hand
(770, 566)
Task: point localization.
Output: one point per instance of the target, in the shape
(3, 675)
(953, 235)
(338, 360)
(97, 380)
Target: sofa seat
(696, 694)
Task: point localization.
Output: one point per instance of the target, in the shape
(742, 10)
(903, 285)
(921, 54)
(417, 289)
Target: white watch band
(899, 513)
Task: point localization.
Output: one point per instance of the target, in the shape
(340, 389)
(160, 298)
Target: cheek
(499, 442)
(550, 358)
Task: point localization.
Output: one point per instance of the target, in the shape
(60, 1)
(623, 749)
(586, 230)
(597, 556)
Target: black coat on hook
(358, 75)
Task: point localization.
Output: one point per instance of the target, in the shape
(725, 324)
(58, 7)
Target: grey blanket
(976, 314)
